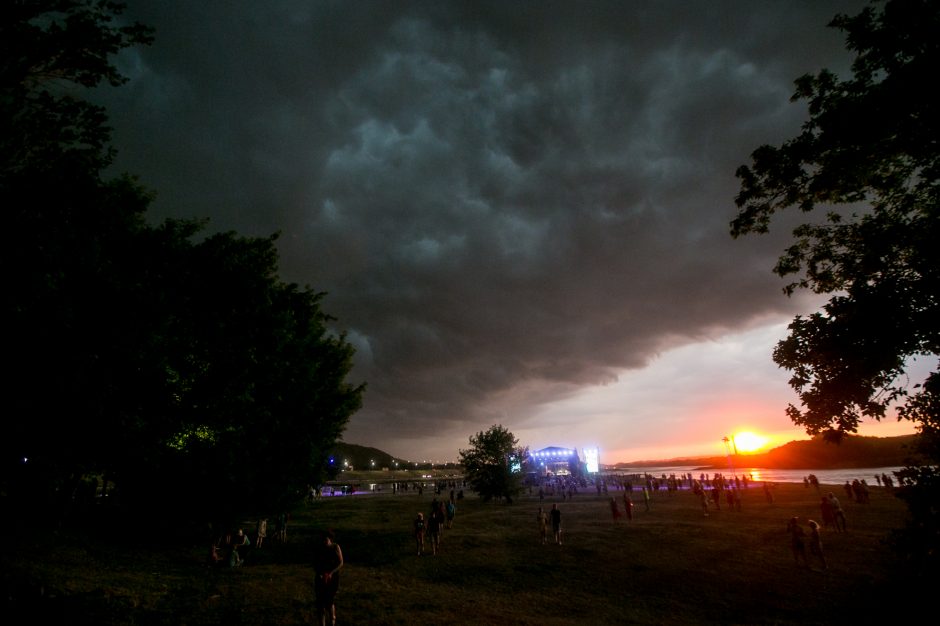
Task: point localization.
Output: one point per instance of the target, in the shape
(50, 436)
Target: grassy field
(670, 565)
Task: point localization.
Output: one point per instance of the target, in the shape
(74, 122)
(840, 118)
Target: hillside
(815, 453)
(852, 452)
(361, 457)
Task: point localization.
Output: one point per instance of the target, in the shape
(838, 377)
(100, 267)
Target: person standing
(451, 510)
(555, 516)
(628, 506)
(280, 528)
(327, 561)
(797, 541)
(261, 531)
(542, 520)
(768, 492)
(815, 543)
(837, 513)
(828, 513)
(435, 528)
(419, 533)
(703, 496)
(614, 509)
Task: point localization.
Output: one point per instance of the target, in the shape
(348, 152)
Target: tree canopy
(870, 145)
(172, 363)
(869, 154)
(493, 463)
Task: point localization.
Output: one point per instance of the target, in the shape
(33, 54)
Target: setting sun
(748, 442)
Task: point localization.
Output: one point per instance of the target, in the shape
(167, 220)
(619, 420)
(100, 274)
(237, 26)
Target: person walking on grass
(815, 543)
(828, 513)
(451, 510)
(435, 527)
(837, 512)
(703, 499)
(327, 562)
(555, 516)
(769, 492)
(419, 533)
(628, 506)
(542, 519)
(797, 541)
(614, 509)
(280, 528)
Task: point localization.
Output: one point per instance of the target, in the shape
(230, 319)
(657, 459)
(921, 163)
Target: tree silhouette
(175, 366)
(489, 463)
(869, 155)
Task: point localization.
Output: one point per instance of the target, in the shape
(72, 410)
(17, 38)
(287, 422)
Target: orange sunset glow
(747, 441)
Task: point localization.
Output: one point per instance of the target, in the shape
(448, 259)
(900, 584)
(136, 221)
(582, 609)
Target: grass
(670, 565)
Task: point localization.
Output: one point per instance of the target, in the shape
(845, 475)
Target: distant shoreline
(853, 453)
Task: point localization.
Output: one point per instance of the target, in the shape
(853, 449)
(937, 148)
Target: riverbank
(831, 477)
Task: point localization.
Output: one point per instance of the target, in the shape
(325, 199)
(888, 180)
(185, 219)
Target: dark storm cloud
(498, 197)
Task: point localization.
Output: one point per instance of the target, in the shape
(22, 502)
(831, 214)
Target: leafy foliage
(175, 366)
(50, 49)
(488, 463)
(870, 154)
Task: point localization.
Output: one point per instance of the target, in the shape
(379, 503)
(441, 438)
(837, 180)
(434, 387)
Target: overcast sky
(519, 210)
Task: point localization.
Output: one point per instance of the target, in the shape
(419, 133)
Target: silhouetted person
(435, 528)
(628, 506)
(815, 543)
(828, 513)
(797, 541)
(768, 492)
(419, 533)
(555, 516)
(240, 545)
(542, 519)
(261, 531)
(451, 511)
(280, 528)
(838, 513)
(327, 561)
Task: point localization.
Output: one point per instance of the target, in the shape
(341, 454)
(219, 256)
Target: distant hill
(854, 451)
(362, 457)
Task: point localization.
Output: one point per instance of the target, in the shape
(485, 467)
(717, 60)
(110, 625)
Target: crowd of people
(710, 493)
(232, 547)
(431, 529)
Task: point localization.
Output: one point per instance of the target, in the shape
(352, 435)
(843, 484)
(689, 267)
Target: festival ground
(669, 565)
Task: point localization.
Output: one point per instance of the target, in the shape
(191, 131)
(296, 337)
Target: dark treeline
(153, 370)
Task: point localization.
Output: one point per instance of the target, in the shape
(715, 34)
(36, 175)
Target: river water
(826, 477)
(757, 474)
